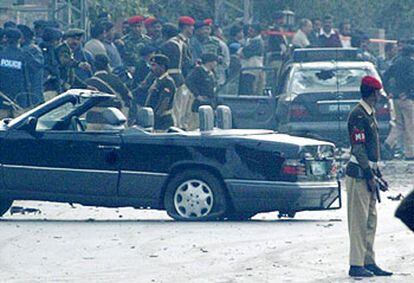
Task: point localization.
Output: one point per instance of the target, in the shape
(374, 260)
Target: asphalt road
(88, 244)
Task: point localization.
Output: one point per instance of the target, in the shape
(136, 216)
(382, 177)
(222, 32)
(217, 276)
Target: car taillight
(294, 168)
(298, 112)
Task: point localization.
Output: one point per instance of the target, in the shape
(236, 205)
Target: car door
(253, 108)
(61, 162)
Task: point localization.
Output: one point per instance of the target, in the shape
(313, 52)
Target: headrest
(206, 117)
(224, 117)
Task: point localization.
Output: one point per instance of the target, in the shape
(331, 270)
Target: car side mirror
(30, 125)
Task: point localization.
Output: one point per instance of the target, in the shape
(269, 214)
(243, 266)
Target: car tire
(195, 195)
(5, 204)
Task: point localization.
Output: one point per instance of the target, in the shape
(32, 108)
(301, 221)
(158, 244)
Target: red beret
(149, 21)
(186, 20)
(135, 20)
(208, 22)
(371, 82)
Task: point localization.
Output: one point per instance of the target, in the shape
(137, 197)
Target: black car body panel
(132, 167)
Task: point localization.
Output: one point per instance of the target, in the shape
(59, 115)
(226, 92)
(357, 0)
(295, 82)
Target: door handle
(109, 147)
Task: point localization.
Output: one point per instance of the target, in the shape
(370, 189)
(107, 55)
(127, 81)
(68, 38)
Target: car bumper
(263, 196)
(330, 130)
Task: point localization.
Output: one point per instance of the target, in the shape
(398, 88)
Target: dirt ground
(88, 244)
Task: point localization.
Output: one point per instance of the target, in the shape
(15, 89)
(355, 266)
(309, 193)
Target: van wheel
(195, 195)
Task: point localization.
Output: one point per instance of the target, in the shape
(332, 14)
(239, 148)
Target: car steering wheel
(76, 125)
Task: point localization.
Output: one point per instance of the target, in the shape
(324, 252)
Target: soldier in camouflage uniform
(202, 42)
(360, 181)
(133, 42)
(67, 62)
(161, 93)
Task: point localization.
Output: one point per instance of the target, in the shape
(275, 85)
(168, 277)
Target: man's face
(327, 25)
(251, 32)
(109, 34)
(346, 29)
(188, 30)
(317, 24)
(204, 32)
(154, 30)
(307, 28)
(137, 28)
(125, 28)
(158, 70)
(74, 42)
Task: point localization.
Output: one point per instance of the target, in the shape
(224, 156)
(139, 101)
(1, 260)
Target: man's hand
(371, 184)
(86, 66)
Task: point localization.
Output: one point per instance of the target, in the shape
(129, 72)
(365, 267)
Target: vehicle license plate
(341, 107)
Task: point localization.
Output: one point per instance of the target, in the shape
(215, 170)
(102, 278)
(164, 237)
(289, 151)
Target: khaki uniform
(160, 99)
(362, 214)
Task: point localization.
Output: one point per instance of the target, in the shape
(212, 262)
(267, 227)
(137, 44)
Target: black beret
(209, 57)
(26, 31)
(160, 59)
(12, 33)
(73, 32)
(146, 50)
(50, 34)
(39, 23)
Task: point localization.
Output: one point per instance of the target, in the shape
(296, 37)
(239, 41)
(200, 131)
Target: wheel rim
(193, 199)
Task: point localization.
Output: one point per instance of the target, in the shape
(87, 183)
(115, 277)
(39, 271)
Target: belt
(174, 71)
(372, 164)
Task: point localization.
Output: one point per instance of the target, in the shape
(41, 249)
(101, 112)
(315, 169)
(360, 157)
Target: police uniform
(161, 97)
(362, 214)
(133, 43)
(13, 72)
(52, 82)
(200, 46)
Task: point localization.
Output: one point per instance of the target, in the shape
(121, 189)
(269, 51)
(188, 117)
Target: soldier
(67, 61)
(161, 93)
(202, 84)
(13, 73)
(51, 77)
(134, 41)
(35, 65)
(154, 31)
(360, 182)
(178, 52)
(202, 42)
(103, 80)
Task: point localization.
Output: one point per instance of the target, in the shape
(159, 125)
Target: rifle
(380, 183)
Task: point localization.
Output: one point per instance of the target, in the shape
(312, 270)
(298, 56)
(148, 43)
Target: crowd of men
(171, 67)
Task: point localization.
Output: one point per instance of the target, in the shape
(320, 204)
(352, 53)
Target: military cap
(160, 59)
(371, 82)
(200, 24)
(208, 22)
(146, 50)
(26, 31)
(73, 32)
(136, 19)
(209, 57)
(150, 21)
(50, 34)
(9, 24)
(186, 20)
(39, 23)
(12, 33)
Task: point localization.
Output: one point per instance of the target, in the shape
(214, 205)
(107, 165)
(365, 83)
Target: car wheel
(5, 204)
(195, 195)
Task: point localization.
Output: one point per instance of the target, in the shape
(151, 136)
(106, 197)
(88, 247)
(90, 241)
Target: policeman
(35, 65)
(13, 72)
(161, 93)
(134, 41)
(154, 31)
(360, 182)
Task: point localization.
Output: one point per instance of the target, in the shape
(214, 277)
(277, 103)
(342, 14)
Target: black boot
(377, 271)
(359, 271)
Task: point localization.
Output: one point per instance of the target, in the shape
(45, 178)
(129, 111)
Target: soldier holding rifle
(363, 180)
